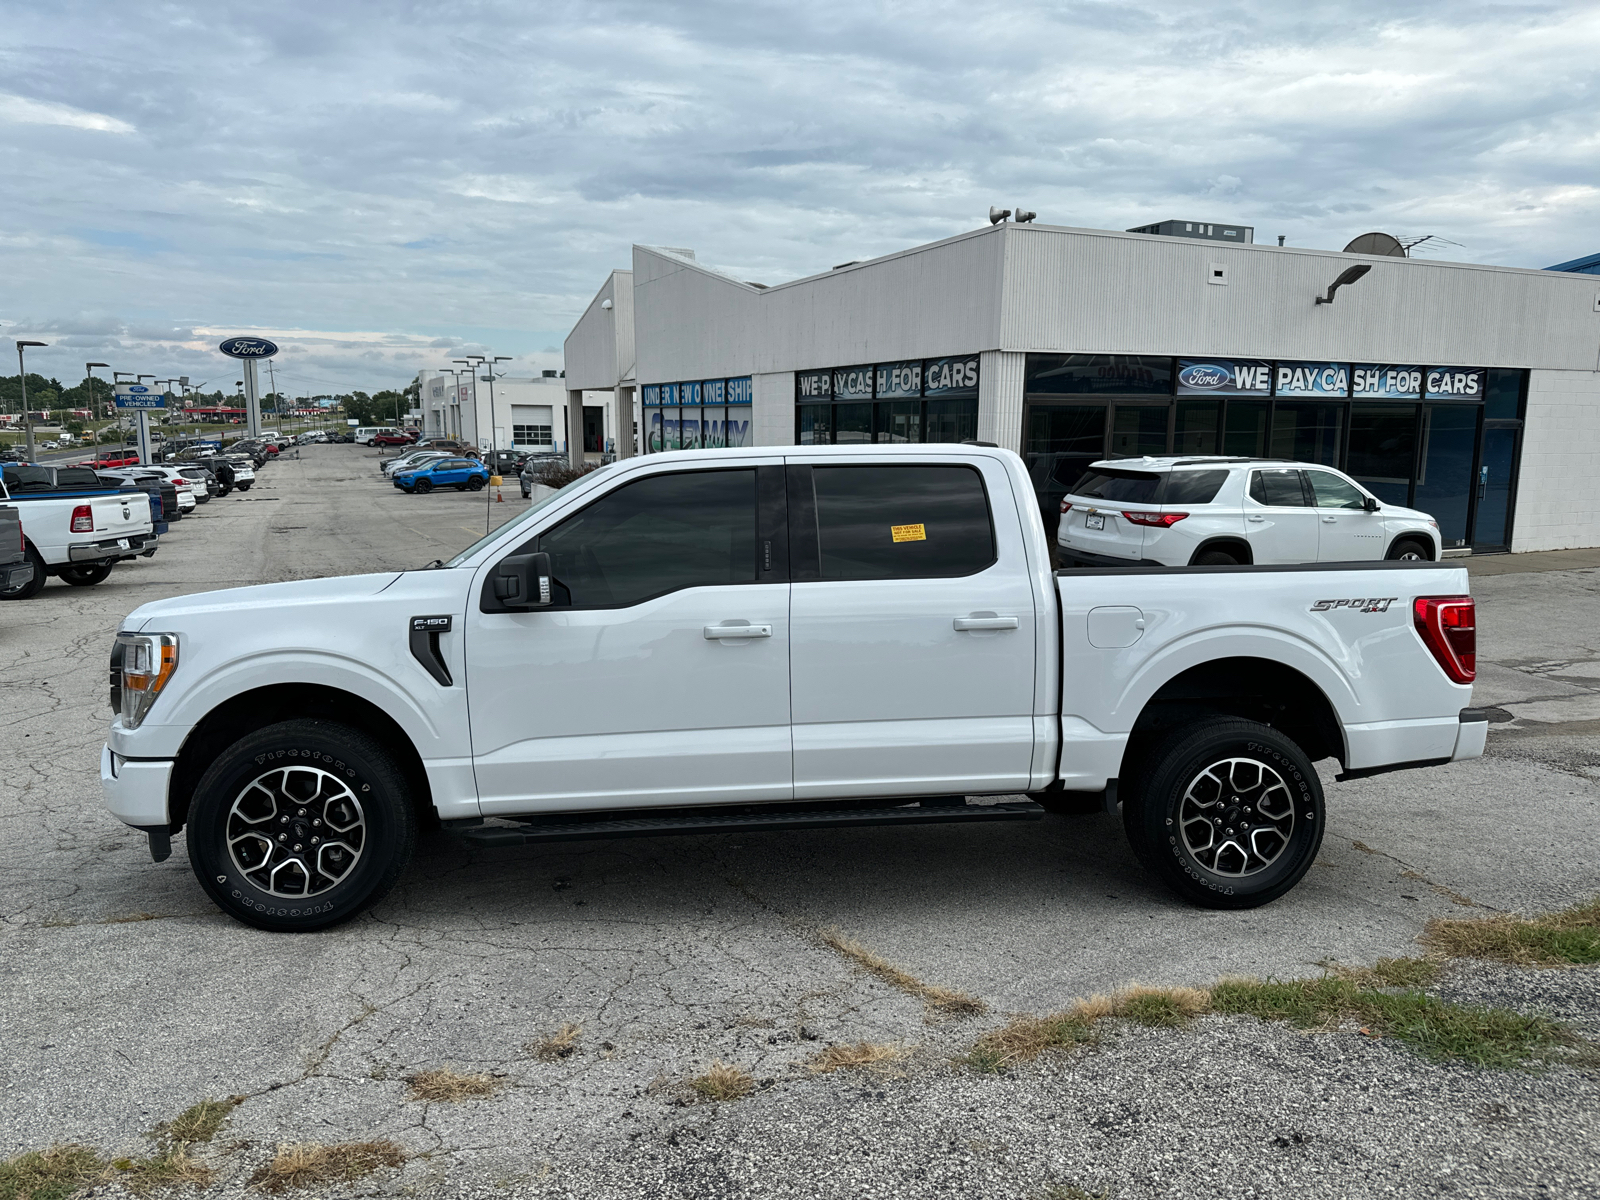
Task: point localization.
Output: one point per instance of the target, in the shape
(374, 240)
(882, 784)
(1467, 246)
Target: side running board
(934, 811)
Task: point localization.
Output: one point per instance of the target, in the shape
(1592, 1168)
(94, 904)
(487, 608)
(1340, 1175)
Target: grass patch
(448, 1086)
(1436, 1029)
(199, 1122)
(1025, 1038)
(1389, 973)
(939, 999)
(560, 1044)
(171, 1166)
(724, 1081)
(310, 1164)
(1565, 938)
(51, 1174)
(844, 1058)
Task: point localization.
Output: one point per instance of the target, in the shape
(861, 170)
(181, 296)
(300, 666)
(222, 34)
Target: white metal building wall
(772, 409)
(1000, 398)
(1558, 488)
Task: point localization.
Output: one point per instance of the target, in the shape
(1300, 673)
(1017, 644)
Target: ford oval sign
(248, 347)
(1205, 377)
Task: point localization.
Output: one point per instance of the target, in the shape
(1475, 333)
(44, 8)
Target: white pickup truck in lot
(75, 534)
(774, 638)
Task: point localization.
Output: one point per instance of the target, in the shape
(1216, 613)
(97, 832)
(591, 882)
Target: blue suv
(463, 474)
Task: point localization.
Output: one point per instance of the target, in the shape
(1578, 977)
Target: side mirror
(523, 581)
(1371, 505)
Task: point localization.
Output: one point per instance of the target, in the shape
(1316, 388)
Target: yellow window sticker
(909, 533)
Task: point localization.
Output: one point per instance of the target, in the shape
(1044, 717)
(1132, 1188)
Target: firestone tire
(1228, 815)
(300, 826)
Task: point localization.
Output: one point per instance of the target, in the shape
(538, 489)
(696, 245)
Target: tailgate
(121, 515)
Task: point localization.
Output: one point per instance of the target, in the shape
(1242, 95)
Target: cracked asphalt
(127, 997)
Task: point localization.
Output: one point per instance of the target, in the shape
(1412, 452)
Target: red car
(390, 439)
(126, 457)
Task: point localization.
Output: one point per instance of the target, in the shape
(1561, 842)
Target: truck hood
(300, 592)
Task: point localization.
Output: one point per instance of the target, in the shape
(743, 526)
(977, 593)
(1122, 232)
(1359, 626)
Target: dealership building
(1471, 392)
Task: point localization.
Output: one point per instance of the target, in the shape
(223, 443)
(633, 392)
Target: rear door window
(1193, 487)
(902, 522)
(1278, 488)
(1119, 487)
(657, 535)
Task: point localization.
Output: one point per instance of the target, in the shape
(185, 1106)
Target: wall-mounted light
(606, 304)
(1348, 275)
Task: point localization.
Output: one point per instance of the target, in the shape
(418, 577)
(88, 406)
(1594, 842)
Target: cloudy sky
(381, 186)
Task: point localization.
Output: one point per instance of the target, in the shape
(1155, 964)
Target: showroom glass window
(920, 400)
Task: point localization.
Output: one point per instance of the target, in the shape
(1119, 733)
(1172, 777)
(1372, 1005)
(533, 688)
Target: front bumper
(112, 548)
(135, 790)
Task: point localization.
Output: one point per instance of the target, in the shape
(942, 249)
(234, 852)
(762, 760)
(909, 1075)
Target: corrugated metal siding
(1000, 398)
(1107, 293)
(1558, 488)
(940, 299)
(590, 352)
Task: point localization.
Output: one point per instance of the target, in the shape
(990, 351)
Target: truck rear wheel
(87, 574)
(1229, 813)
(300, 825)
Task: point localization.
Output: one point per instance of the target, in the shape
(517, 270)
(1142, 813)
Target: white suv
(1217, 511)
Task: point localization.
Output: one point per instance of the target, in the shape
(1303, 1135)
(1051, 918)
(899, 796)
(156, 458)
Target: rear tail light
(1065, 507)
(82, 519)
(1160, 520)
(1448, 626)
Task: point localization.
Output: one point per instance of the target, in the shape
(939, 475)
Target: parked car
(757, 633)
(440, 443)
(415, 458)
(16, 568)
(202, 483)
(533, 466)
(117, 457)
(75, 533)
(505, 462)
(183, 486)
(366, 434)
(391, 437)
(1225, 511)
(310, 436)
(463, 474)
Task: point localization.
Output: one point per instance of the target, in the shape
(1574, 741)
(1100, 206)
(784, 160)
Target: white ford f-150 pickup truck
(774, 638)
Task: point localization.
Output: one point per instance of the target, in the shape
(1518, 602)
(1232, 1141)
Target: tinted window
(1333, 492)
(26, 477)
(658, 535)
(1193, 487)
(1279, 488)
(76, 477)
(1119, 487)
(883, 522)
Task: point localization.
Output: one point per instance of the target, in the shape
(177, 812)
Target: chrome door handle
(1255, 518)
(986, 623)
(718, 632)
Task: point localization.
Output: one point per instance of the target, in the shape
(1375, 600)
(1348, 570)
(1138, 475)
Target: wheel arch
(1232, 543)
(243, 714)
(1414, 535)
(1257, 689)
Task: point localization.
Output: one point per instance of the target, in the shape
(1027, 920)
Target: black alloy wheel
(86, 574)
(27, 591)
(422, 487)
(1228, 814)
(475, 484)
(1215, 558)
(301, 825)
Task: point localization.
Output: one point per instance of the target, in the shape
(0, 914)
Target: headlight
(141, 665)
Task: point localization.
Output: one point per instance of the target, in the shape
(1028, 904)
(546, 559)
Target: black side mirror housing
(1371, 505)
(523, 581)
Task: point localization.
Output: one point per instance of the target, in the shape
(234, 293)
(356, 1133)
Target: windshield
(462, 557)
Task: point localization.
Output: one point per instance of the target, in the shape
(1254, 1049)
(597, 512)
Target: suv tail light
(1448, 626)
(1065, 507)
(82, 519)
(1160, 520)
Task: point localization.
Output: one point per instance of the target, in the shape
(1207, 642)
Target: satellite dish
(1381, 244)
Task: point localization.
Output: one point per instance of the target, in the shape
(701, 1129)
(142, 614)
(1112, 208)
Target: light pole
(22, 378)
(88, 370)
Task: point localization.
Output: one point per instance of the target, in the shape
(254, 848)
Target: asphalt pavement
(127, 997)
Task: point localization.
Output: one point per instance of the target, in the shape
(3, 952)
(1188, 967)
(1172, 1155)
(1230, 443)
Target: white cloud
(19, 110)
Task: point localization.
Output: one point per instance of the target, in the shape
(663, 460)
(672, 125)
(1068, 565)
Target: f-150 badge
(1373, 604)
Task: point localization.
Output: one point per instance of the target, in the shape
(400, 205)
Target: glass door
(1496, 489)
(1444, 478)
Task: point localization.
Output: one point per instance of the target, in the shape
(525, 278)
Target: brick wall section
(1558, 493)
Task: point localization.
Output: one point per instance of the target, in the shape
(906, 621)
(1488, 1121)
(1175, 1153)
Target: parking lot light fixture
(22, 378)
(88, 371)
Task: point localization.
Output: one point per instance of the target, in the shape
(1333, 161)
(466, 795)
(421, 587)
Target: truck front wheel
(300, 825)
(1228, 815)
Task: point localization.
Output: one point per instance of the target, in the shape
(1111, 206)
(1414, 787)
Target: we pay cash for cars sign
(137, 395)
